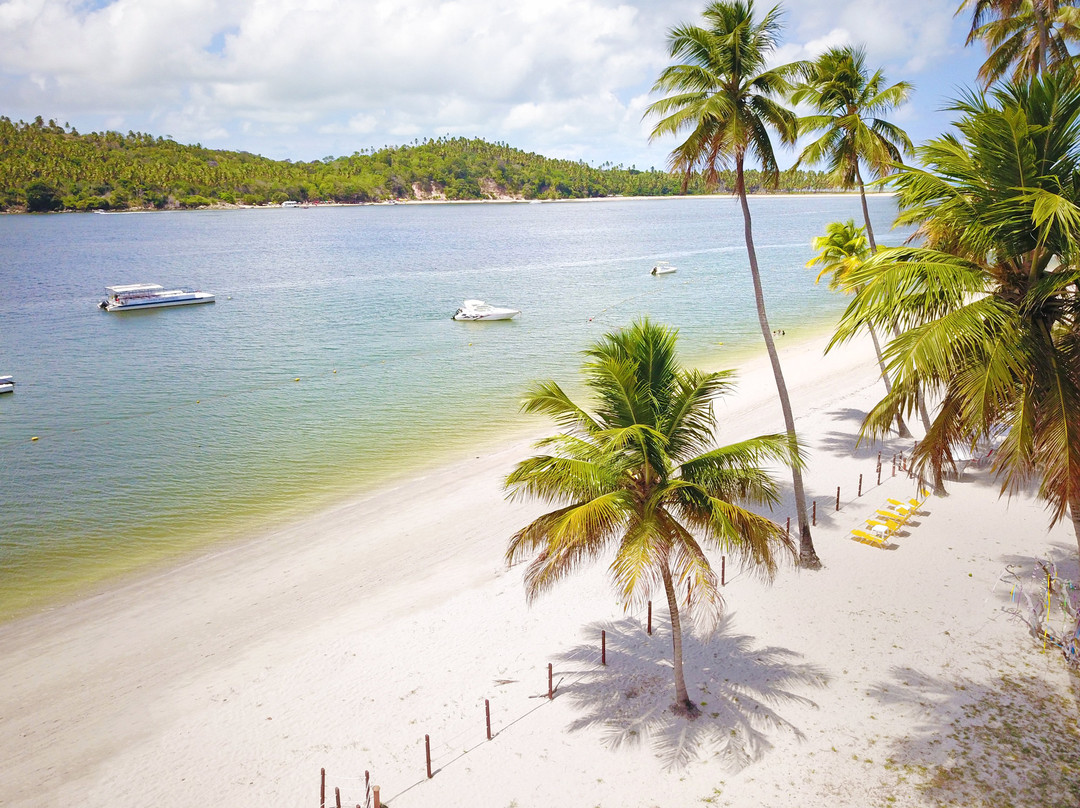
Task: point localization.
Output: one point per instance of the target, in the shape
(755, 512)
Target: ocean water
(329, 364)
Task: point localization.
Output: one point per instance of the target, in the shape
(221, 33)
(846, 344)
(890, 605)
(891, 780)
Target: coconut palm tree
(849, 102)
(991, 309)
(639, 478)
(1030, 37)
(844, 248)
(722, 93)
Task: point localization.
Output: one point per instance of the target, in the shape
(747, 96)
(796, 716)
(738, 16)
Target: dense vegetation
(47, 167)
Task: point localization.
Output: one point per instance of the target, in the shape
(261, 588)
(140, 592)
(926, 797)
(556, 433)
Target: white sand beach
(891, 677)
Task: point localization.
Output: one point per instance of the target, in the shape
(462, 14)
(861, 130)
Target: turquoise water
(164, 430)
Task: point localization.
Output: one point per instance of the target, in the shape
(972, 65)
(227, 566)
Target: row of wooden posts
(898, 462)
(372, 792)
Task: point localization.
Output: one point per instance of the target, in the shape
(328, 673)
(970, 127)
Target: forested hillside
(48, 167)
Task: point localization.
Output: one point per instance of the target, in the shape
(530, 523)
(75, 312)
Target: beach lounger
(911, 503)
(868, 538)
(899, 516)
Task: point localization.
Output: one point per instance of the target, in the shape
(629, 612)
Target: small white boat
(479, 310)
(7, 384)
(662, 268)
(149, 296)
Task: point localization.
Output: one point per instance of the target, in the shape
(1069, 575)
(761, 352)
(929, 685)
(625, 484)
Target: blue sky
(306, 79)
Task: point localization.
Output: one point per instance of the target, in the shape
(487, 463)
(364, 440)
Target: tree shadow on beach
(1011, 742)
(738, 687)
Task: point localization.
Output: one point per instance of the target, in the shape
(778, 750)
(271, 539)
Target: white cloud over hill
(304, 79)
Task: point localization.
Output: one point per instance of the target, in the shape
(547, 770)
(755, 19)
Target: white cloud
(305, 78)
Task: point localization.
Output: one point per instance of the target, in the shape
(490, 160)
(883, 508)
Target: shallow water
(329, 363)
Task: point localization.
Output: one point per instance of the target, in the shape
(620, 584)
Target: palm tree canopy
(841, 250)
(722, 93)
(1024, 38)
(990, 303)
(640, 477)
(850, 102)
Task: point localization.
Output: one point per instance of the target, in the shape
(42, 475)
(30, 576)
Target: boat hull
(465, 317)
(201, 297)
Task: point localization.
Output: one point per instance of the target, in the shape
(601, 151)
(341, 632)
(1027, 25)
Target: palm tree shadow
(739, 689)
(998, 742)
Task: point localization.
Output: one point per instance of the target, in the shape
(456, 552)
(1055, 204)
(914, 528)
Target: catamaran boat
(479, 310)
(662, 268)
(149, 296)
(7, 384)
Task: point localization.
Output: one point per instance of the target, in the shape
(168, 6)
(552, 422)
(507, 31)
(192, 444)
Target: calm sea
(329, 363)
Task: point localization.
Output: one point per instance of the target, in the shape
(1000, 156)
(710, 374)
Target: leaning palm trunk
(682, 705)
(807, 555)
(901, 427)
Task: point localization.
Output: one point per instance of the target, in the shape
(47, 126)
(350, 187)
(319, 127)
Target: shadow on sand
(1012, 741)
(739, 688)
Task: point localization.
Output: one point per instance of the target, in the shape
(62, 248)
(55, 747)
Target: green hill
(48, 167)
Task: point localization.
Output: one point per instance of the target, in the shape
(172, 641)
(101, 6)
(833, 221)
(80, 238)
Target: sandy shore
(341, 641)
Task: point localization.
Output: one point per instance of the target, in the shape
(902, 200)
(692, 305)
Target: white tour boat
(479, 310)
(7, 384)
(662, 268)
(149, 296)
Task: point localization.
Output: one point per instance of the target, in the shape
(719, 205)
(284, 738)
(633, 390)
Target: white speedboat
(479, 310)
(7, 384)
(662, 268)
(150, 296)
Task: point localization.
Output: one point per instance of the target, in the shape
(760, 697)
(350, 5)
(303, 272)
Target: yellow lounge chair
(898, 516)
(911, 503)
(868, 538)
(886, 525)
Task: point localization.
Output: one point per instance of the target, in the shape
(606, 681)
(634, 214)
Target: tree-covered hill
(48, 167)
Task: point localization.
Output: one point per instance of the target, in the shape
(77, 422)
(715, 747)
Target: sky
(309, 79)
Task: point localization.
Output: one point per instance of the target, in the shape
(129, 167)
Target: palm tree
(844, 248)
(1029, 36)
(990, 307)
(724, 95)
(849, 102)
(639, 476)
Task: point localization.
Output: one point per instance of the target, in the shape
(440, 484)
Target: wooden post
(337, 797)
(375, 797)
(837, 497)
(603, 647)
(427, 754)
(551, 692)
(813, 519)
(894, 465)
(879, 458)
(487, 716)
(723, 569)
(687, 593)
(860, 485)
(650, 617)
(879, 474)
(322, 790)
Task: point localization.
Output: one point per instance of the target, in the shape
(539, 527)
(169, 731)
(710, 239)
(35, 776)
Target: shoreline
(508, 200)
(340, 641)
(94, 579)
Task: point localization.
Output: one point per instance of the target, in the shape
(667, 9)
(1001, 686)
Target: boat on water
(7, 384)
(662, 268)
(149, 296)
(479, 310)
